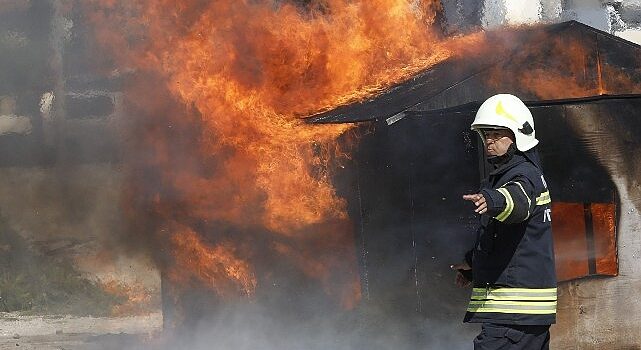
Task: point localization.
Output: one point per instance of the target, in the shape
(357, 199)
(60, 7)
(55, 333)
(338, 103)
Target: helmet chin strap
(502, 159)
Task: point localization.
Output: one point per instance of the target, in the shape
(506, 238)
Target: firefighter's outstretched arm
(510, 203)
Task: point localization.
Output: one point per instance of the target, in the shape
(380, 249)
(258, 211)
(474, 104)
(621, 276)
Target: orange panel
(570, 244)
(605, 245)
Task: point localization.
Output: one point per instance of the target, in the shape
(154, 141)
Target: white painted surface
(633, 35)
(631, 2)
(522, 11)
(590, 12)
(493, 14)
(551, 10)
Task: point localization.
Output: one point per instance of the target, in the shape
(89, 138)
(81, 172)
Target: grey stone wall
(60, 142)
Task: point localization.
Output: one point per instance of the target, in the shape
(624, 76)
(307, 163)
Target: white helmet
(507, 111)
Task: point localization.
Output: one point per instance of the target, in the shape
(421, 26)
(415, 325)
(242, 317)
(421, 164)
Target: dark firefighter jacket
(514, 280)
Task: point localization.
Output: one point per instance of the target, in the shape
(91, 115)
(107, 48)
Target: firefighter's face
(497, 142)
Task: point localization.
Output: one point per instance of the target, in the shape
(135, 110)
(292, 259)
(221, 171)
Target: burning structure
(403, 180)
(583, 88)
(250, 212)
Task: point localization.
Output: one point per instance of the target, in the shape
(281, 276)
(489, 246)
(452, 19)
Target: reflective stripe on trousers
(537, 301)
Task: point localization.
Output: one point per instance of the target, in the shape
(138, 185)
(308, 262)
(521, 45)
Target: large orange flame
(250, 69)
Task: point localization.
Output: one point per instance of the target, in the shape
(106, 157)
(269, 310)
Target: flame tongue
(217, 264)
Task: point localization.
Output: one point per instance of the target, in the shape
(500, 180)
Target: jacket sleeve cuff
(495, 201)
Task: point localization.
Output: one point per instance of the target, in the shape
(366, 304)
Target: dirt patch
(77, 333)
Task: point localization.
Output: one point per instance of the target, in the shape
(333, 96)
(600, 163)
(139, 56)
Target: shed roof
(549, 64)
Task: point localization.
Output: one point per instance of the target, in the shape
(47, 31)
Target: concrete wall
(60, 153)
(605, 313)
(622, 17)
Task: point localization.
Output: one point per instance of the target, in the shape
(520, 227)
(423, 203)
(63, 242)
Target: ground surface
(77, 333)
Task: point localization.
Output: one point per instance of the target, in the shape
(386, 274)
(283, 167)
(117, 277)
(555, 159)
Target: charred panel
(410, 218)
(573, 173)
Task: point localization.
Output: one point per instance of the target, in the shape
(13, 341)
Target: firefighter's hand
(460, 280)
(479, 201)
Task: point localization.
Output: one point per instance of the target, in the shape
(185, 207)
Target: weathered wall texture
(622, 18)
(60, 150)
(605, 313)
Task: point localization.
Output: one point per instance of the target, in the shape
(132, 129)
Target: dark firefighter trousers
(512, 337)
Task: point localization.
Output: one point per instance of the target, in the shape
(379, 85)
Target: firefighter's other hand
(479, 201)
(460, 280)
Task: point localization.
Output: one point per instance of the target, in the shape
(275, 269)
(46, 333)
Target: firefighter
(511, 266)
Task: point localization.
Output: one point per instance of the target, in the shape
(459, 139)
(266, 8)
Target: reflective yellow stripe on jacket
(513, 300)
(509, 204)
(544, 198)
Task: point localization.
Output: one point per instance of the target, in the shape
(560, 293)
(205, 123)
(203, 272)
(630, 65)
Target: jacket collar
(517, 159)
